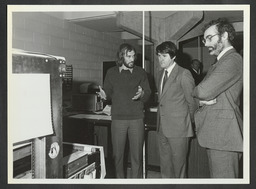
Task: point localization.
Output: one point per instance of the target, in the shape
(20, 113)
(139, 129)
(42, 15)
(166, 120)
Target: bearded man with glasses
(218, 121)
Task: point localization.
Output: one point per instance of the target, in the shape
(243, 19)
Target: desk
(79, 128)
(91, 120)
(93, 117)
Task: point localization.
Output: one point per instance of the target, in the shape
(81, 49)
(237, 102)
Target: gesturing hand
(138, 94)
(102, 93)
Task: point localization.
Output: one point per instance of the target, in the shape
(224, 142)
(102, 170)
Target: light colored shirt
(198, 72)
(169, 70)
(124, 68)
(224, 51)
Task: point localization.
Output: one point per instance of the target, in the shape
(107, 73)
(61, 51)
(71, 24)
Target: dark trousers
(134, 129)
(223, 164)
(173, 156)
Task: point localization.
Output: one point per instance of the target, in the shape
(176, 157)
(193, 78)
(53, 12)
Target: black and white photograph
(128, 94)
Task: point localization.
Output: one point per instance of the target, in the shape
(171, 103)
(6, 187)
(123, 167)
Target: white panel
(29, 106)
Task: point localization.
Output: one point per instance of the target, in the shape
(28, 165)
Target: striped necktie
(165, 79)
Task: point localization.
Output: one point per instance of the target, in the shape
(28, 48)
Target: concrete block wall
(83, 48)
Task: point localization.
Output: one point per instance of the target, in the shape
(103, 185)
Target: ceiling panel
(106, 24)
(105, 21)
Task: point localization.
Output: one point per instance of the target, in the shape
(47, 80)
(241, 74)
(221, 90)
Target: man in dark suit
(175, 112)
(196, 70)
(219, 120)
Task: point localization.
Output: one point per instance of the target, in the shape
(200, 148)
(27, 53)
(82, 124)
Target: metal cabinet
(42, 165)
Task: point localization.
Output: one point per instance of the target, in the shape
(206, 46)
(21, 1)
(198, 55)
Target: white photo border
(62, 8)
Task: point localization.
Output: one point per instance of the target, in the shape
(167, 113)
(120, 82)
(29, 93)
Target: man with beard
(219, 120)
(126, 85)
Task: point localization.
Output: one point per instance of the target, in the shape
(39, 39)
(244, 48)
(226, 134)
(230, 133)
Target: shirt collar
(122, 68)
(198, 72)
(170, 68)
(224, 51)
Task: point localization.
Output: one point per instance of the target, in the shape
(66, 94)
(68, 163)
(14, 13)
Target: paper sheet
(29, 104)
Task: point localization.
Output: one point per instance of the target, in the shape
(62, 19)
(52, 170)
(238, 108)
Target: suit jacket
(176, 104)
(219, 126)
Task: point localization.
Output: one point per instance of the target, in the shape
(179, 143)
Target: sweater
(121, 87)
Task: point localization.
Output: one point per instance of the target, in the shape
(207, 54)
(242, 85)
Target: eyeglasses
(209, 38)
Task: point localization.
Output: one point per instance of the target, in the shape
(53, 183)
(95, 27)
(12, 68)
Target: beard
(129, 65)
(216, 48)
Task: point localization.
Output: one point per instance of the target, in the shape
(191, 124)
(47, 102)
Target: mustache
(211, 48)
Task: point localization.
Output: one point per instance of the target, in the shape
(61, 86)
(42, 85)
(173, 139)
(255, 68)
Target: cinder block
(35, 47)
(69, 44)
(79, 29)
(55, 51)
(95, 73)
(56, 22)
(80, 46)
(56, 41)
(19, 44)
(39, 17)
(84, 72)
(18, 22)
(67, 26)
(42, 38)
(77, 37)
(88, 40)
(24, 35)
(57, 32)
(36, 26)
(88, 32)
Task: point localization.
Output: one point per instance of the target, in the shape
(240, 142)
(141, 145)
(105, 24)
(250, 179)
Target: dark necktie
(215, 61)
(165, 79)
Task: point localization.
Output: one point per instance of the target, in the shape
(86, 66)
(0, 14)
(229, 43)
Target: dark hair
(167, 47)
(222, 26)
(195, 60)
(123, 49)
